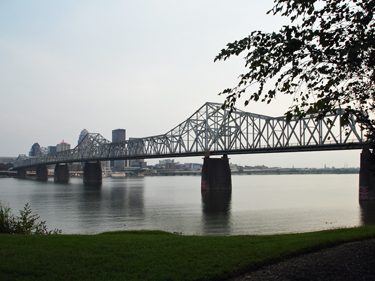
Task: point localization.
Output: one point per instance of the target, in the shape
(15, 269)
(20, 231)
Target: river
(257, 204)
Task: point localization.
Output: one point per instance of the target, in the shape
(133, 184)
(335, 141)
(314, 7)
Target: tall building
(118, 135)
(62, 146)
(34, 149)
(82, 135)
(52, 149)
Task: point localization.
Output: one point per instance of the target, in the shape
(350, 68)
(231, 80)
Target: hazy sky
(144, 66)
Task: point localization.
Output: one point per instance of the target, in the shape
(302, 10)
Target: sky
(140, 65)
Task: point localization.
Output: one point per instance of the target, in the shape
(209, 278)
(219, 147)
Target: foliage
(26, 223)
(6, 219)
(325, 59)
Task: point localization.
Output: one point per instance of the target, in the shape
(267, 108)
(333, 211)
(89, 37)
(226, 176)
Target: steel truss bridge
(213, 130)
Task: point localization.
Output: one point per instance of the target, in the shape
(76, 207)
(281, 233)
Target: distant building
(6, 160)
(82, 135)
(166, 161)
(118, 135)
(194, 166)
(140, 149)
(138, 163)
(34, 149)
(52, 149)
(62, 146)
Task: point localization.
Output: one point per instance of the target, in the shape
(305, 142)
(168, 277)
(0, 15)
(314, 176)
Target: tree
(325, 59)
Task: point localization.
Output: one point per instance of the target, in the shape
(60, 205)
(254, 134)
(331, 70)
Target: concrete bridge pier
(41, 173)
(216, 174)
(367, 176)
(92, 173)
(21, 173)
(61, 173)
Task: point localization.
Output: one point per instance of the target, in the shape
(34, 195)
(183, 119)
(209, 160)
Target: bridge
(212, 131)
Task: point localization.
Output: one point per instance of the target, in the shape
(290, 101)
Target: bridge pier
(41, 173)
(367, 176)
(92, 173)
(21, 173)
(216, 174)
(61, 173)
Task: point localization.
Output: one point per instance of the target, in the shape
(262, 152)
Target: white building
(62, 146)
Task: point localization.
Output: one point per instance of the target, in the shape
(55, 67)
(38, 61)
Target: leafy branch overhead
(325, 59)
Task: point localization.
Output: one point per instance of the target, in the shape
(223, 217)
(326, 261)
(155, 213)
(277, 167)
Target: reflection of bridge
(211, 131)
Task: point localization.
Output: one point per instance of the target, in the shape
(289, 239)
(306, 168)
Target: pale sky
(141, 65)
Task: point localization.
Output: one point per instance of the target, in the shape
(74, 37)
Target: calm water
(258, 204)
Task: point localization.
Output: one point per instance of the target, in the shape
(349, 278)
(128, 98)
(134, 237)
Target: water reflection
(91, 208)
(216, 212)
(367, 212)
(256, 204)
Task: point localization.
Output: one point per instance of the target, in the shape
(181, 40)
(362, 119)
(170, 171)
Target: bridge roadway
(214, 131)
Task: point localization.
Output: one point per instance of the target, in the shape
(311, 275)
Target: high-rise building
(118, 135)
(62, 146)
(52, 149)
(34, 149)
(82, 135)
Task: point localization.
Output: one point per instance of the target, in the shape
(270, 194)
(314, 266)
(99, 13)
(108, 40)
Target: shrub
(26, 223)
(6, 220)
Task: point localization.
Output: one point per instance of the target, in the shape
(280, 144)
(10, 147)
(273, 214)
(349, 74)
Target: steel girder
(211, 129)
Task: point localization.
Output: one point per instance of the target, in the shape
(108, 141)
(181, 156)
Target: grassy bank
(154, 255)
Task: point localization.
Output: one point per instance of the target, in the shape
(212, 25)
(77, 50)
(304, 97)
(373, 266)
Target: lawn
(155, 255)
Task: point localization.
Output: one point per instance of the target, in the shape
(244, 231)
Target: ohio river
(257, 204)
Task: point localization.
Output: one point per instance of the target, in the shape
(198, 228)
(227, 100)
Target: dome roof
(84, 132)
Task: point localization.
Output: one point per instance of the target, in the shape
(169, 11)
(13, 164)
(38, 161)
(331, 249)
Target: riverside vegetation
(25, 223)
(154, 255)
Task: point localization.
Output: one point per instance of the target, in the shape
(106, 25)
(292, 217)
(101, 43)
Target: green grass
(155, 255)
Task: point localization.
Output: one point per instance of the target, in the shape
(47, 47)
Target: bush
(26, 223)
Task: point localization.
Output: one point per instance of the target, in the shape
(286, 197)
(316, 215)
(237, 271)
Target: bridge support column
(61, 173)
(21, 173)
(367, 176)
(41, 173)
(92, 173)
(216, 174)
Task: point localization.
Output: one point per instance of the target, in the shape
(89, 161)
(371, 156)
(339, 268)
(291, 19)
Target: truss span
(211, 129)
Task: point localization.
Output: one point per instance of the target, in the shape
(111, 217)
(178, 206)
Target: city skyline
(145, 66)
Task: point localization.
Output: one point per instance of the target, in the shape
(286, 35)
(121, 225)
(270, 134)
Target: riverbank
(155, 255)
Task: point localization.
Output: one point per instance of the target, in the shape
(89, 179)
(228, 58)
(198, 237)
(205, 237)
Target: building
(62, 146)
(6, 160)
(140, 149)
(140, 163)
(82, 135)
(118, 135)
(34, 149)
(52, 149)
